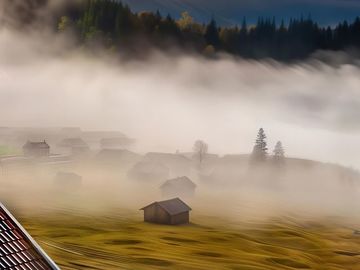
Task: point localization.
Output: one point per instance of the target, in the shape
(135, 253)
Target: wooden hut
(178, 164)
(170, 212)
(178, 187)
(36, 149)
(75, 146)
(149, 172)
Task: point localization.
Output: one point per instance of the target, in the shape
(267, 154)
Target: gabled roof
(172, 207)
(178, 182)
(42, 144)
(18, 250)
(73, 142)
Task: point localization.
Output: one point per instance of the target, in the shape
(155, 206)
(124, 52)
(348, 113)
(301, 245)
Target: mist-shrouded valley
(96, 123)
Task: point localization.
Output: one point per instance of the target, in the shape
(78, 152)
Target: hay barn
(36, 149)
(170, 212)
(178, 187)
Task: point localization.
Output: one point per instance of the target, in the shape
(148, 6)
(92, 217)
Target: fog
(167, 102)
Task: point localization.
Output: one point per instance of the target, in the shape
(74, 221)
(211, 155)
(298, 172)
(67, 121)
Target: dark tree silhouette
(260, 149)
(212, 34)
(113, 24)
(200, 150)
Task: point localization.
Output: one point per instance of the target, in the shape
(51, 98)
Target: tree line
(260, 150)
(112, 24)
(259, 154)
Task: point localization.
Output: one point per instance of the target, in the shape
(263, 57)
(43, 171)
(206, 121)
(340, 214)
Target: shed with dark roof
(17, 249)
(180, 186)
(171, 212)
(36, 149)
(75, 145)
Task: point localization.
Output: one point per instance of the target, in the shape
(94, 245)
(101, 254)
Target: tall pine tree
(212, 34)
(279, 152)
(260, 149)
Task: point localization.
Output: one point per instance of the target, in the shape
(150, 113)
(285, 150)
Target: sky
(230, 12)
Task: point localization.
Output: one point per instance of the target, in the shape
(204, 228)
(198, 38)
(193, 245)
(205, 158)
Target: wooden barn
(75, 146)
(170, 212)
(36, 149)
(149, 172)
(178, 187)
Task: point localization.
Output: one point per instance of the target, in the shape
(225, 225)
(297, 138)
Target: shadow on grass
(153, 262)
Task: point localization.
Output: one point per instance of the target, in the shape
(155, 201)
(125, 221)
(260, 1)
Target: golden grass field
(120, 240)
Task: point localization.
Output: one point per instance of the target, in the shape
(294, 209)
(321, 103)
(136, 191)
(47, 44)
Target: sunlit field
(120, 240)
(238, 227)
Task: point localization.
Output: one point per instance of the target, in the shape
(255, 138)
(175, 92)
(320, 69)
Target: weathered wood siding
(182, 218)
(156, 214)
(36, 152)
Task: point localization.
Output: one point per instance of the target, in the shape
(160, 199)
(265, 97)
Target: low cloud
(169, 101)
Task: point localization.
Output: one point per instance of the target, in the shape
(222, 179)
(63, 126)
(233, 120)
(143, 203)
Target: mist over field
(169, 101)
(166, 101)
(113, 129)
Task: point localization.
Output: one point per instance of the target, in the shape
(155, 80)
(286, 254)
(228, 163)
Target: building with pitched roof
(178, 187)
(36, 149)
(178, 164)
(170, 212)
(18, 251)
(74, 146)
(148, 172)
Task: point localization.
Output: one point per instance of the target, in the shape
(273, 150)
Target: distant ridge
(232, 12)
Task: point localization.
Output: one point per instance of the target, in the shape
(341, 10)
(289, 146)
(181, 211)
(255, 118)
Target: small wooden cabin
(170, 212)
(75, 146)
(178, 187)
(149, 172)
(36, 149)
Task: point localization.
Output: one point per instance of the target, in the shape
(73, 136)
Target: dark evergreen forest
(113, 25)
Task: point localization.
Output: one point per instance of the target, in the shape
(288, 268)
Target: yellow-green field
(120, 240)
(7, 150)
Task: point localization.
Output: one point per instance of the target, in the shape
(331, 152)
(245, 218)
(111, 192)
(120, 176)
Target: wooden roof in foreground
(172, 207)
(18, 251)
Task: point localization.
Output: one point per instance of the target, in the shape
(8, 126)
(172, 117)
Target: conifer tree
(279, 152)
(212, 34)
(260, 148)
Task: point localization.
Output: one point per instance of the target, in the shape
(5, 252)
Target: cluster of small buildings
(18, 251)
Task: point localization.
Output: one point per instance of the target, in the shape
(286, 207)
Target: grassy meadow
(7, 150)
(239, 228)
(120, 240)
